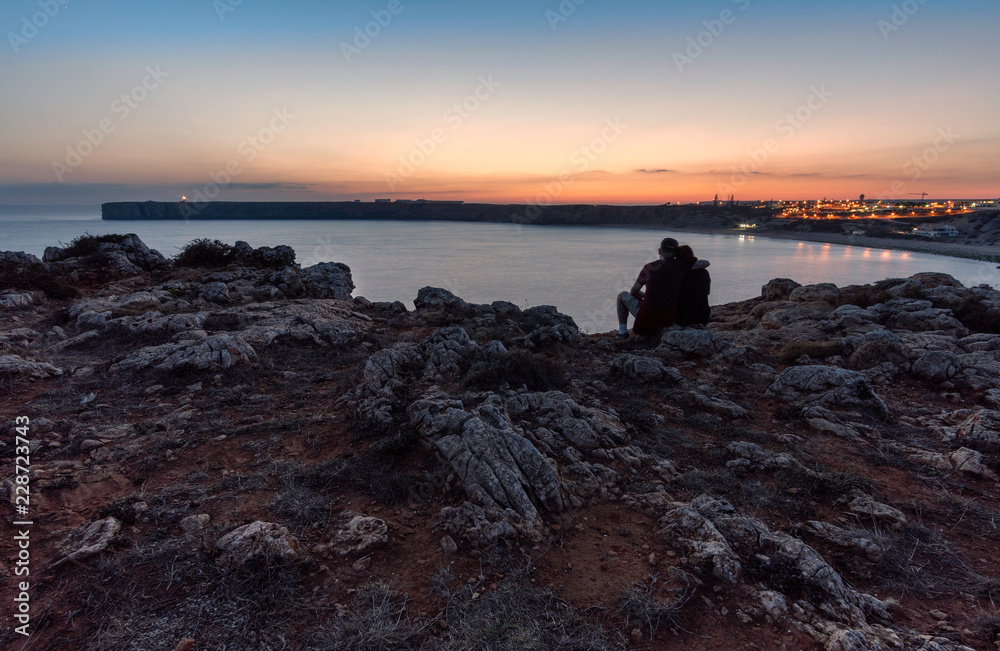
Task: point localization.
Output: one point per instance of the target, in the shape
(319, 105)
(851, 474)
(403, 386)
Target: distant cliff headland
(979, 233)
(707, 217)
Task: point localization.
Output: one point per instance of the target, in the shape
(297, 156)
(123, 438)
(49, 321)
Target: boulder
(866, 505)
(849, 317)
(435, 298)
(917, 316)
(387, 368)
(980, 371)
(258, 540)
(555, 421)
(193, 523)
(963, 460)
(18, 259)
(89, 540)
(129, 257)
(826, 386)
(934, 279)
(360, 534)
(693, 342)
(822, 293)
(718, 405)
(971, 461)
(712, 531)
(17, 366)
(936, 366)
(218, 351)
(154, 324)
(701, 542)
(482, 526)
(748, 456)
(795, 314)
(857, 540)
(327, 280)
(215, 293)
(23, 299)
(497, 466)
(981, 425)
(505, 308)
(278, 257)
(779, 289)
(445, 351)
(881, 339)
(546, 325)
(646, 369)
(139, 254)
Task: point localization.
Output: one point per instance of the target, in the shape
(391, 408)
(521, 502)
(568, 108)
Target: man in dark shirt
(657, 307)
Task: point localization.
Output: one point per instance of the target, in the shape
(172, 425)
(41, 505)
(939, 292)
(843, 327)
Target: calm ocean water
(579, 270)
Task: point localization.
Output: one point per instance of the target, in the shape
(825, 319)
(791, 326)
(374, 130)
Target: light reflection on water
(580, 270)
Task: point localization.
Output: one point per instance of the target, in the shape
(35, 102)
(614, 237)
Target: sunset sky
(612, 102)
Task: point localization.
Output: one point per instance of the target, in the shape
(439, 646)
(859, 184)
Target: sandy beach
(976, 252)
(988, 253)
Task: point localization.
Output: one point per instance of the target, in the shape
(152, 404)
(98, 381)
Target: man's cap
(668, 243)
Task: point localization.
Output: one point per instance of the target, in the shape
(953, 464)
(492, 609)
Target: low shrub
(873, 353)
(866, 296)
(378, 620)
(88, 244)
(204, 252)
(518, 616)
(978, 317)
(223, 322)
(516, 368)
(34, 278)
(814, 349)
(153, 594)
(645, 604)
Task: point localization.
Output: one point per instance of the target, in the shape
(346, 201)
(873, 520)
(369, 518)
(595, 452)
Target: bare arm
(637, 290)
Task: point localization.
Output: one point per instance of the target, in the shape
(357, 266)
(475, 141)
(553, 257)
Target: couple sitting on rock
(677, 288)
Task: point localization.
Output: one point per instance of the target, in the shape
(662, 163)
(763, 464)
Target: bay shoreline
(983, 253)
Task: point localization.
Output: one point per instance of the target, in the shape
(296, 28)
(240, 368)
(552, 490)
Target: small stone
(187, 644)
(652, 559)
(448, 545)
(90, 444)
(43, 426)
(194, 523)
(940, 614)
(156, 388)
(362, 564)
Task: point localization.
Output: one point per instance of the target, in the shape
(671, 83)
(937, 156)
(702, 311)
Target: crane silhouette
(923, 195)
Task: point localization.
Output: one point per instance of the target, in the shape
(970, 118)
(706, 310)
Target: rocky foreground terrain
(246, 457)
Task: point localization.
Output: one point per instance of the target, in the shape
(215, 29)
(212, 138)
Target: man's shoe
(621, 335)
